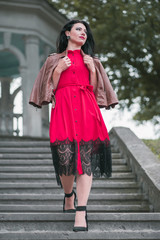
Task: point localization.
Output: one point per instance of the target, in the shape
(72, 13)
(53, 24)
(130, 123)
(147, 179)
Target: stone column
(32, 120)
(6, 107)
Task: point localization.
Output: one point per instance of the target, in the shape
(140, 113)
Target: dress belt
(89, 89)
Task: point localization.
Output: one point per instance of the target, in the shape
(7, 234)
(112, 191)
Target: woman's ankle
(80, 220)
(69, 202)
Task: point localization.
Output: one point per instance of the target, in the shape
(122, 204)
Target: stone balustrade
(142, 162)
(10, 123)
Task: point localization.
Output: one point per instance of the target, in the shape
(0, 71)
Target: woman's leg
(67, 183)
(84, 183)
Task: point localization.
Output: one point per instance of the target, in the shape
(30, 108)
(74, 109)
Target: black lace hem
(64, 155)
(95, 157)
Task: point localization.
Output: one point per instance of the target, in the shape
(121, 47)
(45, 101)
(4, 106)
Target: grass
(154, 146)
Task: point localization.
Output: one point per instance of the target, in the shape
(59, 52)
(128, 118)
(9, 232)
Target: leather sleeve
(42, 91)
(104, 93)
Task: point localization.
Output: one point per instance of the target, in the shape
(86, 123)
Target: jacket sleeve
(42, 91)
(104, 93)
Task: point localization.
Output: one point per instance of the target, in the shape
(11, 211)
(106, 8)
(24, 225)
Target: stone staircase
(31, 201)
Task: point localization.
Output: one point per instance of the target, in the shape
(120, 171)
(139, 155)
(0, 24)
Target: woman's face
(78, 34)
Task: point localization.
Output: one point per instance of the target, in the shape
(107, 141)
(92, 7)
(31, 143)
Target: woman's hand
(63, 64)
(89, 62)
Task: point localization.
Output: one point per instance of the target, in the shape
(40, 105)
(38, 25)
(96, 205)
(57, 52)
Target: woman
(79, 139)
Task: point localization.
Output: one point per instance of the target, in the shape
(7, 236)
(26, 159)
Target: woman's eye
(79, 29)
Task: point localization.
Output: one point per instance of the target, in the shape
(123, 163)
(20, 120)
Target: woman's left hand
(89, 62)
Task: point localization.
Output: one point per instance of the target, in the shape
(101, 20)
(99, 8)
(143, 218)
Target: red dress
(78, 135)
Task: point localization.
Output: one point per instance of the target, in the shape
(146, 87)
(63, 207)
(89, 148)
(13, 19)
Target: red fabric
(76, 114)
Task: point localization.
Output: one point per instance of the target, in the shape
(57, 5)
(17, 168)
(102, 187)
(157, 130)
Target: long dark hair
(62, 40)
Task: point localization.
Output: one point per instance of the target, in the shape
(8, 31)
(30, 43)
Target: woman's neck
(73, 47)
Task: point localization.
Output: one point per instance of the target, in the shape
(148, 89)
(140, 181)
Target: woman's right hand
(63, 64)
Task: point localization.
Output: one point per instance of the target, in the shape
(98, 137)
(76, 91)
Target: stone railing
(10, 124)
(142, 161)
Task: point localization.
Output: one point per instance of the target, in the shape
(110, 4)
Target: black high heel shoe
(68, 195)
(79, 229)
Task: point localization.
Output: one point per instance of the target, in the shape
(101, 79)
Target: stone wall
(141, 160)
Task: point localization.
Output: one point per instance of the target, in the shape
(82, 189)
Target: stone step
(32, 155)
(96, 184)
(44, 169)
(58, 208)
(22, 162)
(22, 140)
(91, 235)
(51, 180)
(24, 144)
(28, 144)
(25, 150)
(36, 149)
(132, 202)
(64, 222)
(56, 199)
(30, 149)
(125, 176)
(26, 155)
(51, 188)
(58, 191)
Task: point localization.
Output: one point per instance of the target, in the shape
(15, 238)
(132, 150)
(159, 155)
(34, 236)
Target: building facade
(28, 33)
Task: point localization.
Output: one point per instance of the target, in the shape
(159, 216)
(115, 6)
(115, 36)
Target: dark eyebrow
(81, 28)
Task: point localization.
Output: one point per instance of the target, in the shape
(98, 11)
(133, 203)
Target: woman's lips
(82, 37)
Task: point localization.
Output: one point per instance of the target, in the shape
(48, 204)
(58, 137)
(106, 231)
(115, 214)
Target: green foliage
(154, 146)
(127, 34)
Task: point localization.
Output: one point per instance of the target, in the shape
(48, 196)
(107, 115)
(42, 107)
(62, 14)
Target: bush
(154, 146)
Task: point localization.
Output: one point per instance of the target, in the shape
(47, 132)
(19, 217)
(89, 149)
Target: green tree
(127, 36)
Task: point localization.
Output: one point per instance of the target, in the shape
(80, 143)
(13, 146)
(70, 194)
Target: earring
(68, 37)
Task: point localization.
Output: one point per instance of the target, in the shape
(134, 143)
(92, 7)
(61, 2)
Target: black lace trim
(95, 157)
(64, 155)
